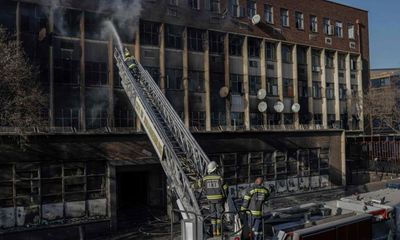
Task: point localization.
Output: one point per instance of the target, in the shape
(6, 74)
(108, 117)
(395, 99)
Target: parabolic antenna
(224, 92)
(296, 107)
(256, 19)
(279, 106)
(262, 107)
(261, 94)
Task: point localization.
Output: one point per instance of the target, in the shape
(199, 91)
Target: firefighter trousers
(216, 210)
(255, 224)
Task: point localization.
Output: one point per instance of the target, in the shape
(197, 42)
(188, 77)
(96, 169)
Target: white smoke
(125, 13)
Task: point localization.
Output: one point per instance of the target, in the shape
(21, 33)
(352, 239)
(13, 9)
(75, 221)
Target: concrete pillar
(360, 91)
(310, 84)
(51, 71)
(263, 74)
(323, 90)
(295, 85)
(246, 83)
(227, 78)
(162, 58)
(279, 71)
(137, 56)
(336, 85)
(110, 112)
(207, 81)
(82, 74)
(185, 77)
(343, 157)
(112, 197)
(349, 92)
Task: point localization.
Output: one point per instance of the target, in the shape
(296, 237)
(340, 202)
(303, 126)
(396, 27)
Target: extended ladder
(181, 157)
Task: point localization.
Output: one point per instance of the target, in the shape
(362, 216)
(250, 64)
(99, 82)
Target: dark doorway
(132, 190)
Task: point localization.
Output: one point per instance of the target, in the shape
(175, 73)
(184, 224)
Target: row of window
(328, 27)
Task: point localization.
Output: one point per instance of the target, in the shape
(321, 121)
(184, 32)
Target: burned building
(93, 165)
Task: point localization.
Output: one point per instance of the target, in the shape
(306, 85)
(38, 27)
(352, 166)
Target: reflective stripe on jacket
(214, 187)
(254, 199)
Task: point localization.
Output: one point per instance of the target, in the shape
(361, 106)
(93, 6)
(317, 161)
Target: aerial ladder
(182, 159)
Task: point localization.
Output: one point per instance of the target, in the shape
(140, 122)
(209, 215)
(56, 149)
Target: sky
(384, 30)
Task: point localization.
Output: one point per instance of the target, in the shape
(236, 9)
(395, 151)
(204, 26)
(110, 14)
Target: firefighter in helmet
(253, 201)
(215, 190)
(131, 62)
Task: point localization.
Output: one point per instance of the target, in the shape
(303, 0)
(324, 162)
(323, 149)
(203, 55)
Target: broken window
(256, 119)
(67, 22)
(196, 81)
(124, 115)
(287, 87)
(66, 62)
(8, 15)
(93, 26)
(96, 64)
(149, 33)
(255, 84)
(195, 40)
(254, 47)
(174, 79)
(235, 45)
(216, 42)
(173, 36)
(96, 107)
(236, 82)
(6, 185)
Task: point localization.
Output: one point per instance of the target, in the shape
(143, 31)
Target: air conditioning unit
(316, 68)
(352, 45)
(328, 40)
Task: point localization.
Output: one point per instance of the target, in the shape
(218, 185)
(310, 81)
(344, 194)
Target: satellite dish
(224, 92)
(262, 107)
(256, 19)
(296, 107)
(261, 94)
(279, 107)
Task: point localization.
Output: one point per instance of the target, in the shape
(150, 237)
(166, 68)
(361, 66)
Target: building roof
(345, 5)
(384, 72)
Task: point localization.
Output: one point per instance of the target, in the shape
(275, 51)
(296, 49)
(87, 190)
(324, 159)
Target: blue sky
(384, 30)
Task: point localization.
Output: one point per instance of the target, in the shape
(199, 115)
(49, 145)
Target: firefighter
(215, 190)
(253, 201)
(131, 62)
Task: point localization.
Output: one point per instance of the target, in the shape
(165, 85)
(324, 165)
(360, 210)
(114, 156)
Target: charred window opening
(67, 22)
(196, 81)
(66, 62)
(255, 84)
(287, 54)
(124, 115)
(273, 118)
(287, 87)
(235, 45)
(270, 50)
(154, 73)
(256, 119)
(288, 118)
(8, 15)
(236, 83)
(149, 33)
(272, 86)
(198, 120)
(216, 41)
(174, 79)
(67, 107)
(93, 26)
(318, 119)
(254, 47)
(173, 36)
(195, 40)
(96, 107)
(96, 67)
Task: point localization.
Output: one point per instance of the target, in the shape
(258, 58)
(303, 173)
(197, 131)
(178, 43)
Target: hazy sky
(384, 30)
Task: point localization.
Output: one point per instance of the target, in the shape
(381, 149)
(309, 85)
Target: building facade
(210, 60)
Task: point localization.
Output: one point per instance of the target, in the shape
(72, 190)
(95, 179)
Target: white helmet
(211, 167)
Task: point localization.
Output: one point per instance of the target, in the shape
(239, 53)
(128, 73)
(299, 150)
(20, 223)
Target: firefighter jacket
(254, 199)
(214, 187)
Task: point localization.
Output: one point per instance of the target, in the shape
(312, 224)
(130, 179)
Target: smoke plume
(125, 13)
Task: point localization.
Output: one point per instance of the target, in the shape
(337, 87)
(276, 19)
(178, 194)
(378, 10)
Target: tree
(21, 99)
(382, 108)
